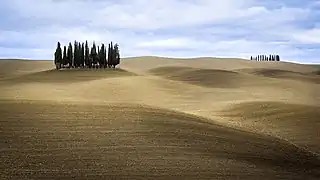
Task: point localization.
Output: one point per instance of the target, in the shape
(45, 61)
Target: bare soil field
(160, 118)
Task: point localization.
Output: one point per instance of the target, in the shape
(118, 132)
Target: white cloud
(173, 43)
(141, 14)
(165, 27)
(308, 36)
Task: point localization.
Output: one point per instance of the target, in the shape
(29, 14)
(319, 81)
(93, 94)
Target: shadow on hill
(316, 72)
(133, 140)
(71, 75)
(213, 78)
(299, 123)
(283, 74)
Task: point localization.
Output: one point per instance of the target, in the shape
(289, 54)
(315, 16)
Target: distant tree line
(79, 55)
(266, 58)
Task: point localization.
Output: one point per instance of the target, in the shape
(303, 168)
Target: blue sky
(172, 28)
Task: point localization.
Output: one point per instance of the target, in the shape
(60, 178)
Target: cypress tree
(117, 55)
(79, 54)
(103, 60)
(98, 57)
(94, 54)
(112, 54)
(70, 56)
(86, 55)
(64, 58)
(58, 56)
(105, 57)
(82, 55)
(76, 54)
(109, 55)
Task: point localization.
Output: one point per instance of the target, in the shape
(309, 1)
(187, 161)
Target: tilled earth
(50, 140)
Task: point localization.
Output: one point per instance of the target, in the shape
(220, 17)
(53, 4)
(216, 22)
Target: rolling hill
(160, 118)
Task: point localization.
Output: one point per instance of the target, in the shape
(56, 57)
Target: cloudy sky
(172, 28)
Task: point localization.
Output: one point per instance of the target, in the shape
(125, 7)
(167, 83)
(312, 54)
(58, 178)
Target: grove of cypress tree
(79, 55)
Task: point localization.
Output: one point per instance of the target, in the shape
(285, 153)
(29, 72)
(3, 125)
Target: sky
(172, 28)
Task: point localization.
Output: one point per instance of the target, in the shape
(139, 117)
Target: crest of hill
(14, 67)
(146, 63)
(74, 75)
(284, 74)
(213, 78)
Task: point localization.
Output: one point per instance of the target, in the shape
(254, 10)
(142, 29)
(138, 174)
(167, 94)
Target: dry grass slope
(212, 78)
(284, 74)
(147, 63)
(15, 67)
(69, 75)
(298, 123)
(45, 140)
(139, 122)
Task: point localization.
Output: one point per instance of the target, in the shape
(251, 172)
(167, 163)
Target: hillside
(160, 118)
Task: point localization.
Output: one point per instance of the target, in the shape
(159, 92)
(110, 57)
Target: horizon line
(165, 57)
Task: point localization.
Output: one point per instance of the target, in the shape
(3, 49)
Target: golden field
(160, 118)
